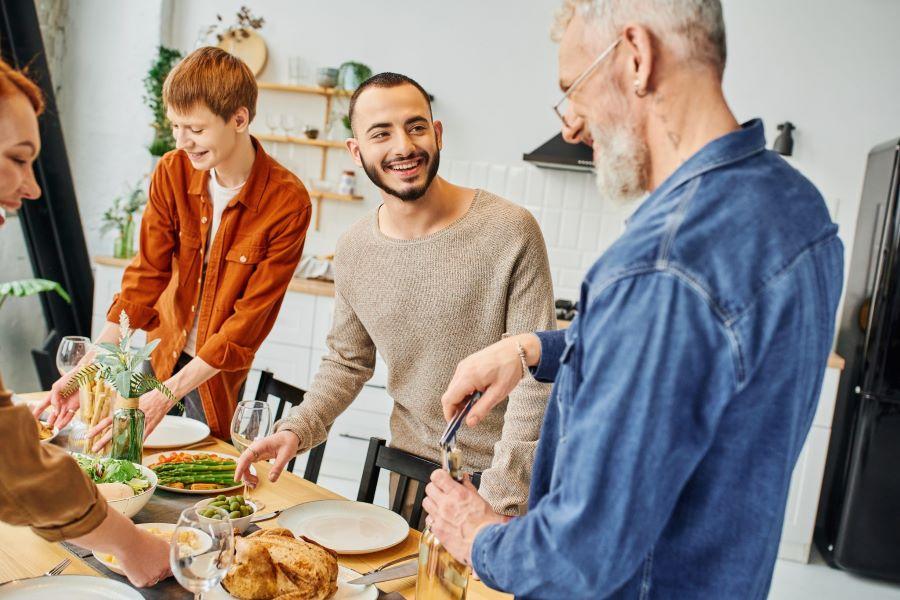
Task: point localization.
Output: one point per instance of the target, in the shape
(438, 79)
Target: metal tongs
(448, 440)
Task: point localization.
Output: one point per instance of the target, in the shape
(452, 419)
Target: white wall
(110, 46)
(826, 65)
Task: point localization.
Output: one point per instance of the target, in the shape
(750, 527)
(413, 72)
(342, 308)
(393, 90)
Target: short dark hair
(386, 80)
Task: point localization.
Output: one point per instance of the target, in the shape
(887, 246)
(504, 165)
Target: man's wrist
(531, 346)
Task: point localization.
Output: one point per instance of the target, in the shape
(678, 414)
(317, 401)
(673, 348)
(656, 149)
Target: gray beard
(621, 161)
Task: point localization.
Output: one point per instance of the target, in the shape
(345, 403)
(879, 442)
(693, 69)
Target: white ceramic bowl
(240, 525)
(132, 506)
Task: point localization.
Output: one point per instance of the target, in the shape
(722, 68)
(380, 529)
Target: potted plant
(163, 141)
(118, 365)
(23, 288)
(351, 74)
(120, 217)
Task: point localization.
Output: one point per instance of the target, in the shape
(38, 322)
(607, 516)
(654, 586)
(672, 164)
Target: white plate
(70, 587)
(345, 591)
(346, 527)
(175, 432)
(153, 458)
(204, 542)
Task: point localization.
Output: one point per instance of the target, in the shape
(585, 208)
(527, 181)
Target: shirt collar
(732, 147)
(254, 188)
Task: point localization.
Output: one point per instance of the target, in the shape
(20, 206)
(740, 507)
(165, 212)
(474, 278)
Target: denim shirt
(683, 391)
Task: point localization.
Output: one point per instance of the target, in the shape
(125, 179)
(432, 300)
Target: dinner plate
(345, 526)
(153, 458)
(70, 587)
(175, 432)
(345, 591)
(203, 544)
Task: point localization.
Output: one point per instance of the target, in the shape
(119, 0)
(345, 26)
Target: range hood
(556, 153)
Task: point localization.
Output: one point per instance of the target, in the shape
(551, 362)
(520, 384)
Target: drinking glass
(201, 566)
(252, 421)
(72, 349)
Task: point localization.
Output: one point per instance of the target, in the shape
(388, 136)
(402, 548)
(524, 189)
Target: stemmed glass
(200, 567)
(272, 122)
(252, 421)
(291, 126)
(72, 349)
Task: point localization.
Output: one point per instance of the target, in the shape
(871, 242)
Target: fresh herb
(117, 365)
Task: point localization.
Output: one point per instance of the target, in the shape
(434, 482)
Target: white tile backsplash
(577, 225)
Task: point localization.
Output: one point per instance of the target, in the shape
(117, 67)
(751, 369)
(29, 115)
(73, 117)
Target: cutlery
(58, 568)
(391, 563)
(405, 570)
(265, 516)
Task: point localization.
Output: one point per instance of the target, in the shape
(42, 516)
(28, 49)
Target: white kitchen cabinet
(806, 479)
(292, 351)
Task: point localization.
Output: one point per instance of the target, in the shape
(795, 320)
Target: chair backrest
(289, 394)
(409, 467)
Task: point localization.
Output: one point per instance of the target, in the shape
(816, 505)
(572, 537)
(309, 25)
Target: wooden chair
(409, 467)
(289, 394)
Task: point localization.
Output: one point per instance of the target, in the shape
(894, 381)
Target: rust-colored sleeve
(41, 486)
(234, 345)
(149, 273)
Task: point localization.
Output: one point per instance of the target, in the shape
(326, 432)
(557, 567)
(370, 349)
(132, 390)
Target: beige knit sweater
(426, 304)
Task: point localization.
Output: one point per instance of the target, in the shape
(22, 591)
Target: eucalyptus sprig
(117, 365)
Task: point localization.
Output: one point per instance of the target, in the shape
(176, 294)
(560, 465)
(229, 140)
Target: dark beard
(411, 194)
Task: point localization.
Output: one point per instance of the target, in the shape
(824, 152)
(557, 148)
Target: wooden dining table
(24, 554)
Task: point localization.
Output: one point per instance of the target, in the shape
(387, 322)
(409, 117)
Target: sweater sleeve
(349, 363)
(529, 308)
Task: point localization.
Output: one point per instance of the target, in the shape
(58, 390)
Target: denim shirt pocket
(566, 381)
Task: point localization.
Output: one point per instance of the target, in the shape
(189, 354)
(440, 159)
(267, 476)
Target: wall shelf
(303, 89)
(329, 94)
(334, 196)
(287, 139)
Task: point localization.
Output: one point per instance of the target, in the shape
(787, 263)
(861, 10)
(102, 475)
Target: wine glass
(72, 349)
(291, 126)
(201, 566)
(252, 421)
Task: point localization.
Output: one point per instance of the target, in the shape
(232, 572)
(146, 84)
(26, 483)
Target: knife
(404, 570)
(265, 516)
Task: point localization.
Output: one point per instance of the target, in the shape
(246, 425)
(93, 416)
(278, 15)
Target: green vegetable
(111, 470)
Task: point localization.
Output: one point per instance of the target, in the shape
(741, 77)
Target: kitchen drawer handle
(350, 436)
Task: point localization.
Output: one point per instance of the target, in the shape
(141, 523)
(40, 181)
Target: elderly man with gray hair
(684, 390)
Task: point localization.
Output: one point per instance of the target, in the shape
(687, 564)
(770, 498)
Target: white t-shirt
(220, 196)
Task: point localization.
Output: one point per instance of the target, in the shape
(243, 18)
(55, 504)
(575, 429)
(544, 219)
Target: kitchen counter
(314, 287)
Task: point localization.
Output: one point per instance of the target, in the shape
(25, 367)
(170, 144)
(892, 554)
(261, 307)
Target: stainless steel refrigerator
(858, 523)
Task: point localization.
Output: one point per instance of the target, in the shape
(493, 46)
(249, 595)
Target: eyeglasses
(558, 108)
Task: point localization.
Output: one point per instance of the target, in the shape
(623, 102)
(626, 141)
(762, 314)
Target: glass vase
(124, 244)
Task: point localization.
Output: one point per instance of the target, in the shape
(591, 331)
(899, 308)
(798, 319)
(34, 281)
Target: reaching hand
(281, 446)
(62, 408)
(146, 561)
(495, 371)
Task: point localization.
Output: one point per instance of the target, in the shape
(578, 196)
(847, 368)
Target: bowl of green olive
(239, 510)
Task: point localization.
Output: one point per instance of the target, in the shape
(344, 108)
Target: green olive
(235, 514)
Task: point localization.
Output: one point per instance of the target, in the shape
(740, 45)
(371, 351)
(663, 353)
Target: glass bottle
(128, 431)
(440, 576)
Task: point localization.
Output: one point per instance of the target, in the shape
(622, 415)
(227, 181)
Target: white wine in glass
(252, 421)
(202, 566)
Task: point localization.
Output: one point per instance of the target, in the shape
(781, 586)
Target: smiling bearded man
(435, 273)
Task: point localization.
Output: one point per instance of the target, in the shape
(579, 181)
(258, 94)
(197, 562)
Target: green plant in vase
(118, 365)
(120, 217)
